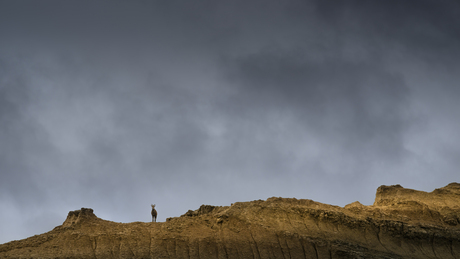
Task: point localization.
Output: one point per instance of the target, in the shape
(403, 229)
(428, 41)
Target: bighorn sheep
(154, 213)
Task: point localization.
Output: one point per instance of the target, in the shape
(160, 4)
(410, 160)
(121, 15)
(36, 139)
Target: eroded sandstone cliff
(402, 223)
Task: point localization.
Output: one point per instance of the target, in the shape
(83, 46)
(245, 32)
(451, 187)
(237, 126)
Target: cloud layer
(118, 105)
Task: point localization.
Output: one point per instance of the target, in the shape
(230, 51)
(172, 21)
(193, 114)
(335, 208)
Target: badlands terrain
(402, 223)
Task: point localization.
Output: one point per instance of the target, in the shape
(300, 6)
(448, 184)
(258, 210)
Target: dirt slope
(402, 223)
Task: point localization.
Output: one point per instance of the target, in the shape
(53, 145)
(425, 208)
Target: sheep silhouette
(154, 213)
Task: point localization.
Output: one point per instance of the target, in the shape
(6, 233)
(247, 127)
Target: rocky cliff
(402, 223)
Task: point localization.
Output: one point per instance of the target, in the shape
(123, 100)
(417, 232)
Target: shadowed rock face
(402, 223)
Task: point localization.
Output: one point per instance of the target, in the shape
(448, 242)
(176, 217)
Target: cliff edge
(402, 223)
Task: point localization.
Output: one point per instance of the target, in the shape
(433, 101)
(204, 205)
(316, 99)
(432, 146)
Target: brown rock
(402, 223)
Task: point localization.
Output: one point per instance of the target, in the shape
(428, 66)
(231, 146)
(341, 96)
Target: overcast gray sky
(114, 105)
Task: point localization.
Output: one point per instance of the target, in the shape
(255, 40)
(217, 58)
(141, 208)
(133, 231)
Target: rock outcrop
(402, 223)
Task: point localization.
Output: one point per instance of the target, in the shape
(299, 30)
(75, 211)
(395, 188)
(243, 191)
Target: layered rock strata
(402, 223)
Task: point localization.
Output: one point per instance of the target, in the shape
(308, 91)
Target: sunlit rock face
(76, 216)
(402, 223)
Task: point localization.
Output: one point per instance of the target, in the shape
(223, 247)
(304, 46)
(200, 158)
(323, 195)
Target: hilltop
(402, 223)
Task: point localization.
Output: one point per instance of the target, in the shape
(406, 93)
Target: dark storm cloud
(360, 106)
(115, 105)
(19, 136)
(423, 27)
